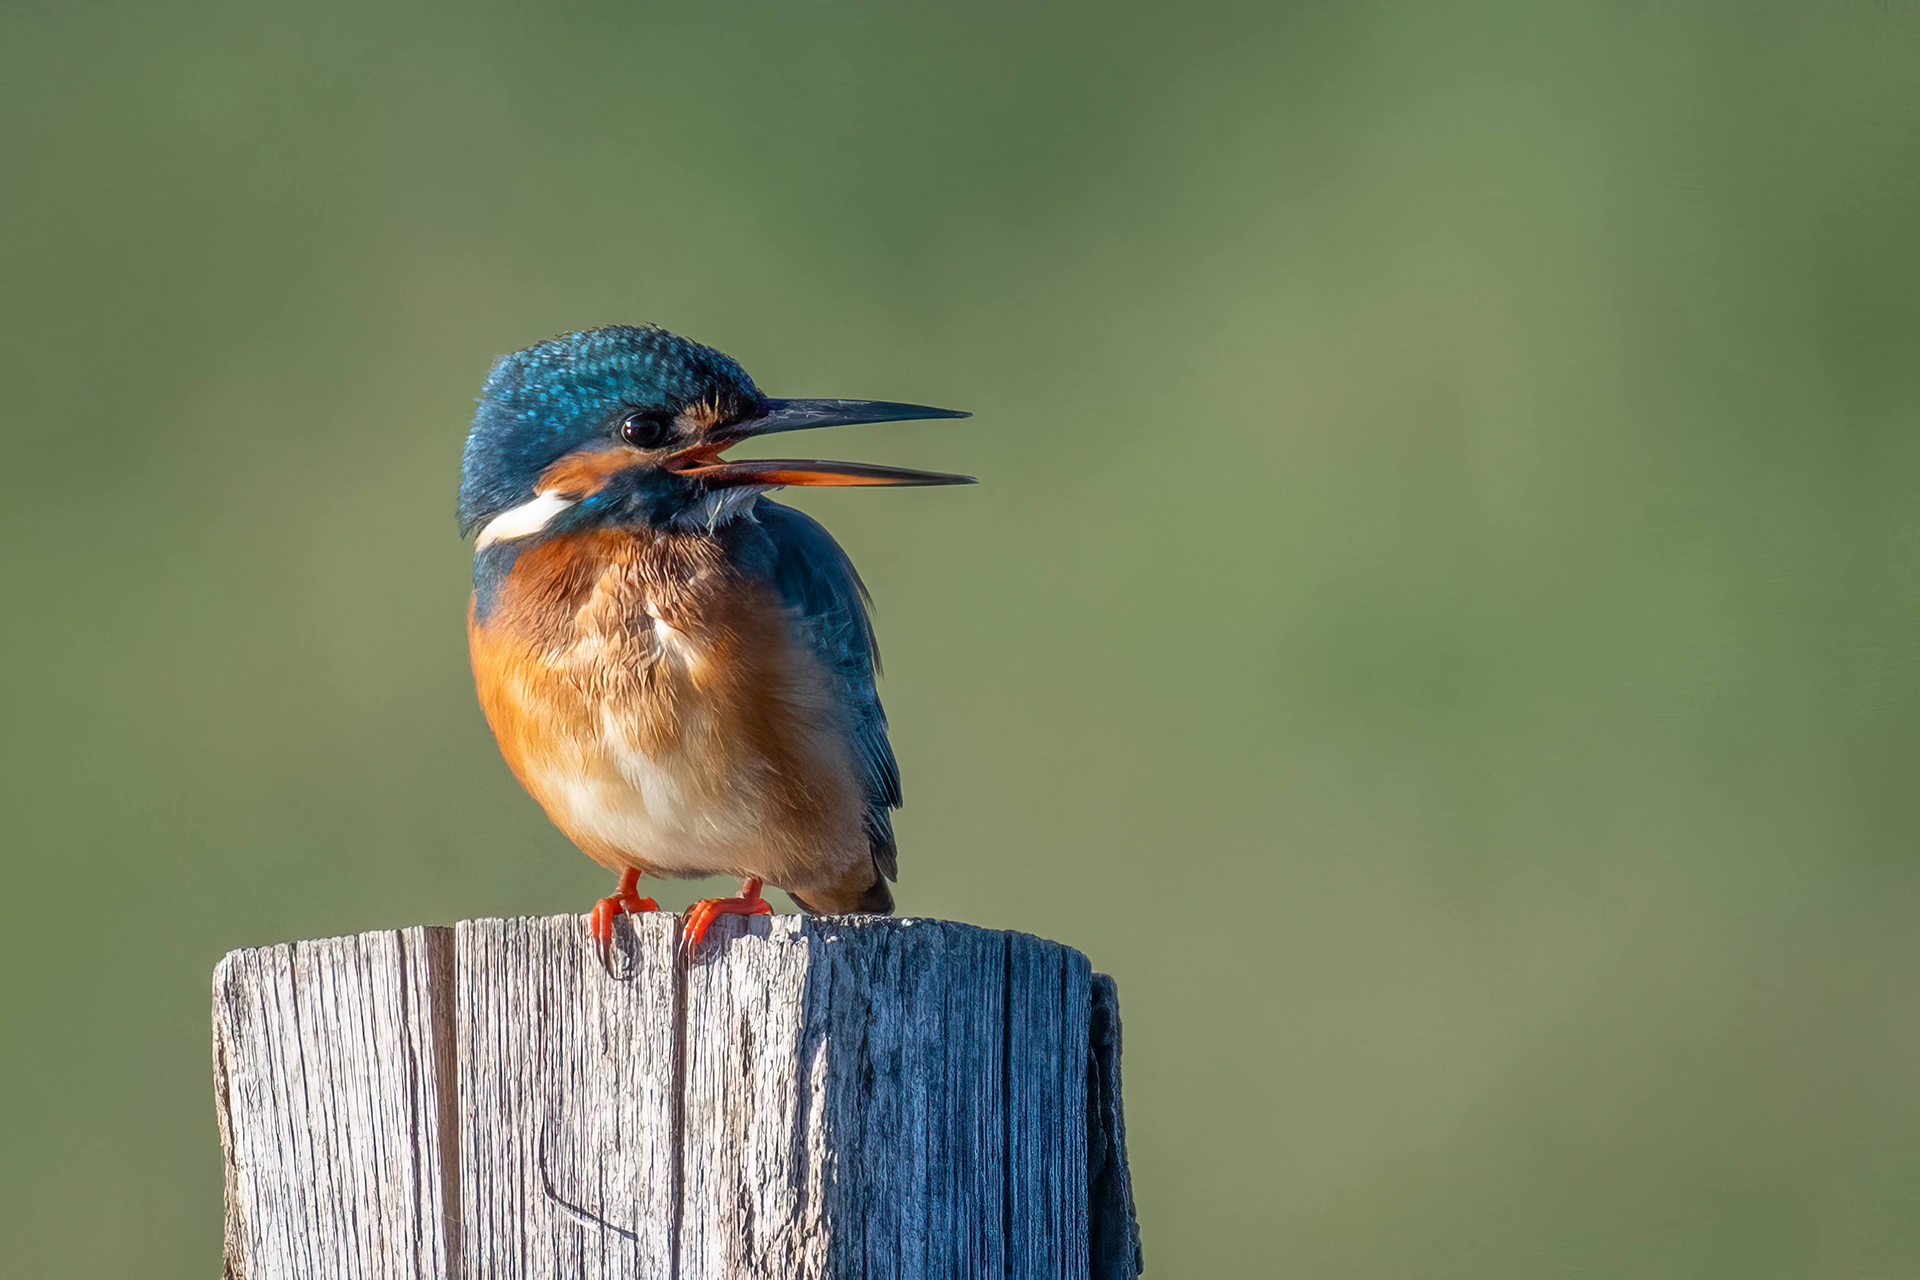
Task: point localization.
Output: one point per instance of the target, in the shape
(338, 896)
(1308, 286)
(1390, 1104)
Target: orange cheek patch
(585, 473)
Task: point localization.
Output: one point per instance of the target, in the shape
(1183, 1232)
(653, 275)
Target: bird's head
(625, 426)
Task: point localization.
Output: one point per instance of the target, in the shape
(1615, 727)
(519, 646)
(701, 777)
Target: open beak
(702, 462)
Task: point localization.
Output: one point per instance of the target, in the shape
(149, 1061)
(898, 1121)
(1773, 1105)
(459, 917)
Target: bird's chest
(636, 692)
(633, 661)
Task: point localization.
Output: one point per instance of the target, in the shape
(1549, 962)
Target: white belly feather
(655, 806)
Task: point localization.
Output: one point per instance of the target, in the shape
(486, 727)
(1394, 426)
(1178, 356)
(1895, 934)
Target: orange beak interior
(702, 461)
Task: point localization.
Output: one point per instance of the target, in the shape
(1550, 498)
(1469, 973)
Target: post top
(805, 1090)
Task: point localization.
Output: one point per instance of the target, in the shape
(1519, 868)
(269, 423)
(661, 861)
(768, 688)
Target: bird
(679, 669)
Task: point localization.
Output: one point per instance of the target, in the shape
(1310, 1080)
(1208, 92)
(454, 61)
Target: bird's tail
(875, 899)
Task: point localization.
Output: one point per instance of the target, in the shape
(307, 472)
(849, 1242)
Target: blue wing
(817, 581)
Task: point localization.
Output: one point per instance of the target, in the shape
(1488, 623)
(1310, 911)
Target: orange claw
(704, 912)
(625, 900)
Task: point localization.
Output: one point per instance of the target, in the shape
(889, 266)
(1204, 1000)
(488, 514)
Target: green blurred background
(1440, 619)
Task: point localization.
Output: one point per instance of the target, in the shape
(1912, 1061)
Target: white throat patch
(720, 506)
(524, 520)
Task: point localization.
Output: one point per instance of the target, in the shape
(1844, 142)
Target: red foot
(625, 900)
(703, 913)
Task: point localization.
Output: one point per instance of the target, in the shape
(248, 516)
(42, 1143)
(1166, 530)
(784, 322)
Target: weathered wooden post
(814, 1097)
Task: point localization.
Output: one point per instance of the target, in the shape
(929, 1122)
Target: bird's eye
(647, 430)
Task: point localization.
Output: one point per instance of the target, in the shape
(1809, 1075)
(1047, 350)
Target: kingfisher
(679, 669)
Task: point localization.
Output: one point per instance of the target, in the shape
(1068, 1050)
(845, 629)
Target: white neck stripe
(524, 520)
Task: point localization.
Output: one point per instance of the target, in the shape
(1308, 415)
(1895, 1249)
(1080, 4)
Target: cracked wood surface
(814, 1097)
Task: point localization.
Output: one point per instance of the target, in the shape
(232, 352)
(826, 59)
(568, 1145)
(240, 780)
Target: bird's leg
(626, 899)
(703, 913)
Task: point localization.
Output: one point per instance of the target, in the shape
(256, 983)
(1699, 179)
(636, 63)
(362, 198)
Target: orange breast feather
(655, 703)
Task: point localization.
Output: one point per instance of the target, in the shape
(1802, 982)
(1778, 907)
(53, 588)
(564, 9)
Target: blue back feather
(817, 581)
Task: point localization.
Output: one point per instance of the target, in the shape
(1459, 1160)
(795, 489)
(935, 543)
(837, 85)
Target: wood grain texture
(812, 1097)
(567, 1099)
(329, 1101)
